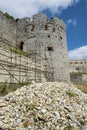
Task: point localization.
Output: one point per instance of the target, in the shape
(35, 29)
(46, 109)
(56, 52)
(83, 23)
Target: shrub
(8, 16)
(70, 94)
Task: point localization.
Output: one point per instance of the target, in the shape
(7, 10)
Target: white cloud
(78, 53)
(72, 22)
(22, 8)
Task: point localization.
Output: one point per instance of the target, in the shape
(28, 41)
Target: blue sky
(73, 12)
(77, 33)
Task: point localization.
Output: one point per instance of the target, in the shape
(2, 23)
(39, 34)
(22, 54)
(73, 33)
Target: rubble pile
(44, 106)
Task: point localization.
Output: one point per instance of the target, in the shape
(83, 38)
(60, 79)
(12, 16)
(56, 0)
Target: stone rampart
(16, 68)
(7, 28)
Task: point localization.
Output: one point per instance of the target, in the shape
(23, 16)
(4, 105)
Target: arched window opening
(21, 45)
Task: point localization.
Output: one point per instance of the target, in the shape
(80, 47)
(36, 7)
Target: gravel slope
(44, 106)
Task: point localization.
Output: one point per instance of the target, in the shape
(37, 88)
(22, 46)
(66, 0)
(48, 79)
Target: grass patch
(69, 128)
(29, 105)
(52, 128)
(23, 53)
(20, 52)
(78, 73)
(82, 87)
(70, 94)
(3, 89)
(7, 88)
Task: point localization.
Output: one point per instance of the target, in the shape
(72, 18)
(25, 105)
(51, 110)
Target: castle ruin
(42, 37)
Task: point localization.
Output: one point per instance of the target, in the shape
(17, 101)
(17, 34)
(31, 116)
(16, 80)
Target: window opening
(49, 36)
(21, 45)
(50, 48)
(46, 27)
(60, 37)
(77, 68)
(54, 30)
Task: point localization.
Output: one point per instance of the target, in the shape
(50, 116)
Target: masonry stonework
(7, 29)
(41, 36)
(50, 37)
(78, 71)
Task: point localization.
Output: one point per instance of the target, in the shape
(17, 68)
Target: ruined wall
(78, 71)
(43, 37)
(22, 30)
(78, 66)
(7, 29)
(48, 39)
(16, 68)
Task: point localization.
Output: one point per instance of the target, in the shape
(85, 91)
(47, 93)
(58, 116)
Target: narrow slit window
(46, 27)
(61, 38)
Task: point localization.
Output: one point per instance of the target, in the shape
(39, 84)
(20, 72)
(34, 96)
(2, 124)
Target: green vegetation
(82, 87)
(7, 88)
(29, 105)
(17, 19)
(78, 73)
(23, 53)
(69, 128)
(3, 89)
(8, 16)
(82, 122)
(70, 94)
(18, 51)
(52, 128)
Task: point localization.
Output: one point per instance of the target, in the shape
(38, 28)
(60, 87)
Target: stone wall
(43, 37)
(7, 29)
(16, 68)
(78, 71)
(78, 66)
(48, 39)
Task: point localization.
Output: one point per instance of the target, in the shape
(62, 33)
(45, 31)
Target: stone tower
(47, 38)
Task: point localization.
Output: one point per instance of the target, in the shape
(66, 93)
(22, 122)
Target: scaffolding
(17, 66)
